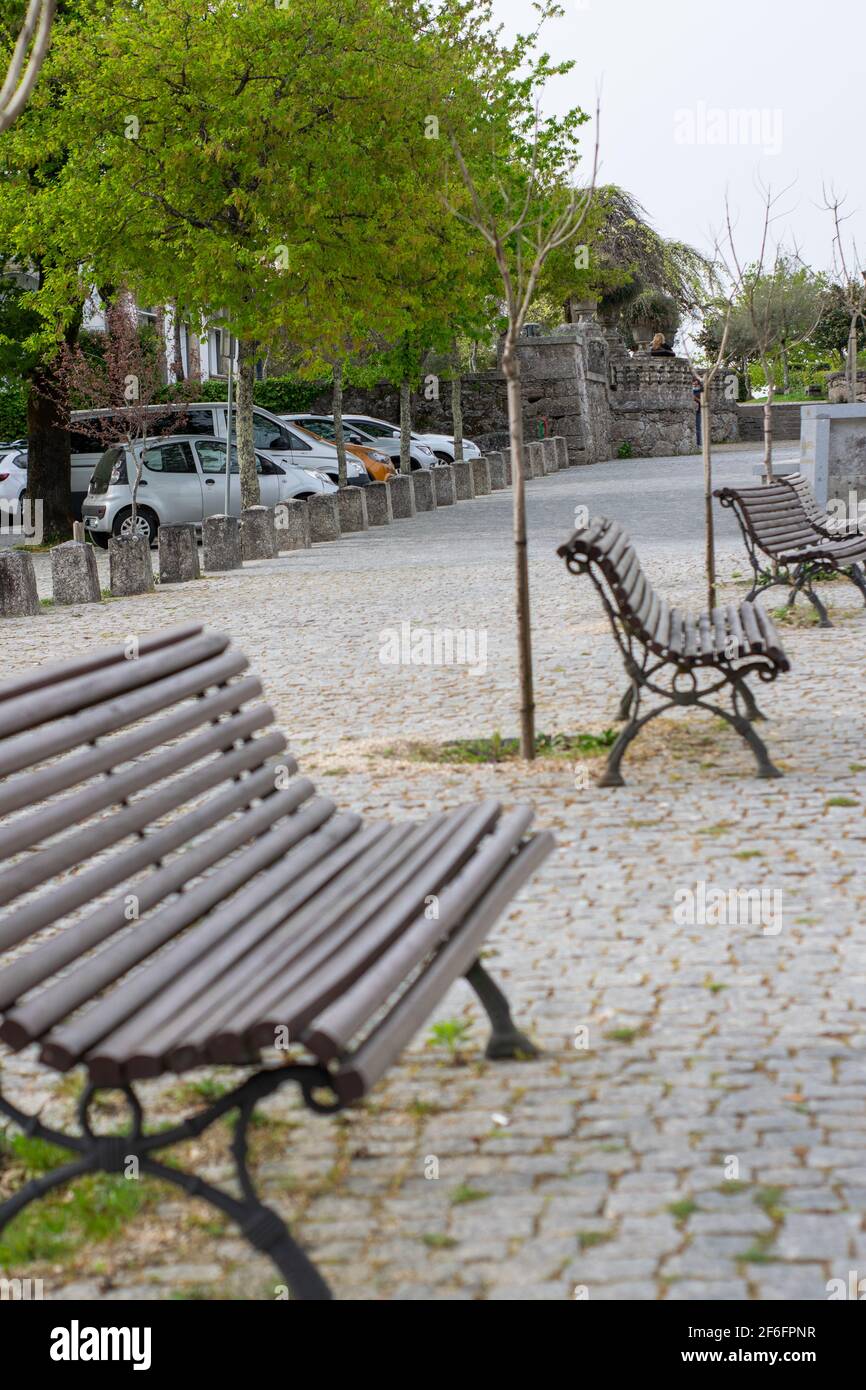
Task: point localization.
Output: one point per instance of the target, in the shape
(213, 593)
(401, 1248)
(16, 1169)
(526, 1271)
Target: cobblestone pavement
(707, 1140)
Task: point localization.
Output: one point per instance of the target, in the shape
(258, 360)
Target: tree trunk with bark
(176, 348)
(511, 370)
(851, 362)
(339, 437)
(250, 492)
(49, 475)
(194, 350)
(456, 403)
(706, 450)
(405, 426)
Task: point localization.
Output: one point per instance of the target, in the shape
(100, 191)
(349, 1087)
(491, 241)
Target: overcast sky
(701, 99)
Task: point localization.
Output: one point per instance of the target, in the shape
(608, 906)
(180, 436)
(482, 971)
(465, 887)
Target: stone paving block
(816, 1237)
(74, 576)
(378, 499)
(443, 484)
(709, 1290)
(797, 1283)
(292, 521)
(258, 533)
(425, 494)
(130, 567)
(352, 504)
(402, 489)
(221, 543)
(324, 513)
(18, 594)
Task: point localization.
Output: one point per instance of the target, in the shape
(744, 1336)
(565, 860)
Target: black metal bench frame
(356, 1029)
(787, 570)
(674, 680)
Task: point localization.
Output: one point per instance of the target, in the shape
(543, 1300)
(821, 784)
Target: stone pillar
(221, 543)
(74, 576)
(548, 456)
(258, 533)
(527, 461)
(129, 566)
(178, 554)
(496, 469)
(292, 522)
(18, 596)
(402, 490)
(324, 517)
(509, 478)
(561, 445)
(443, 485)
(464, 488)
(378, 499)
(480, 477)
(536, 459)
(425, 496)
(352, 506)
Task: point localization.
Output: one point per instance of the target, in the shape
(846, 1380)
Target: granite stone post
(480, 476)
(292, 522)
(258, 533)
(561, 444)
(425, 495)
(402, 489)
(129, 566)
(221, 543)
(536, 459)
(443, 484)
(18, 596)
(496, 469)
(352, 505)
(464, 487)
(548, 456)
(378, 499)
(74, 576)
(324, 517)
(178, 554)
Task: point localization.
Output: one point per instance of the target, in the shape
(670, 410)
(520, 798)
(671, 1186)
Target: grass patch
(590, 1238)
(730, 1189)
(795, 617)
(749, 854)
(464, 1193)
(841, 801)
(720, 828)
(497, 749)
(770, 1200)
(435, 1240)
(623, 1035)
(682, 1210)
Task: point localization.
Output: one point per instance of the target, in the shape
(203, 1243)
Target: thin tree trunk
(161, 355)
(786, 376)
(768, 419)
(511, 369)
(194, 349)
(250, 492)
(706, 449)
(49, 470)
(851, 364)
(405, 426)
(339, 438)
(177, 351)
(456, 403)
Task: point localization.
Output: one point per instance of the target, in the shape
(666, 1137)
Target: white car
(440, 445)
(183, 480)
(13, 482)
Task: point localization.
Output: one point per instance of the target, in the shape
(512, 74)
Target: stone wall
(579, 382)
(786, 421)
(837, 387)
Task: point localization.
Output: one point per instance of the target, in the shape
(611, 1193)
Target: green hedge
(13, 410)
(284, 395)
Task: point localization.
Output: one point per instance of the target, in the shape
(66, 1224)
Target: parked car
(388, 444)
(13, 481)
(208, 418)
(182, 481)
(440, 445)
(378, 464)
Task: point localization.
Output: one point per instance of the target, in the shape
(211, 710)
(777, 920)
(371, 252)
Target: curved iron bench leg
(506, 1039)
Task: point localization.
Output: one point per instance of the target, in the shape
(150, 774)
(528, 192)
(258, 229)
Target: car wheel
(146, 524)
(303, 496)
(442, 458)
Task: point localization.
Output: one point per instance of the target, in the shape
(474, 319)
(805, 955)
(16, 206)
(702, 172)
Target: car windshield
(101, 476)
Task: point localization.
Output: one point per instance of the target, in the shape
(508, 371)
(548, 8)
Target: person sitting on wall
(697, 392)
(660, 348)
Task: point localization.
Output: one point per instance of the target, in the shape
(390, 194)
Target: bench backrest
(773, 515)
(604, 544)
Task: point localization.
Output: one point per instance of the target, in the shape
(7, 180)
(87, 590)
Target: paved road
(695, 1129)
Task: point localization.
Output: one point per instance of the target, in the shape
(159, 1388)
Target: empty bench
(682, 658)
(791, 542)
(173, 895)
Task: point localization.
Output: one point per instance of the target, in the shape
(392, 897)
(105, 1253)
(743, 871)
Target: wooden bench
(783, 522)
(173, 895)
(684, 658)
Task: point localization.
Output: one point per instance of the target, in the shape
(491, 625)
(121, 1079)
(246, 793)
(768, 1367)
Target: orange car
(377, 464)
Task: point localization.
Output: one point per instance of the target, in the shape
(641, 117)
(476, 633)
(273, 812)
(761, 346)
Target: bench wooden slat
(41, 677)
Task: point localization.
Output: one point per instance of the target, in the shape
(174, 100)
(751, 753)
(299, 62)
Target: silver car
(386, 441)
(182, 480)
(440, 445)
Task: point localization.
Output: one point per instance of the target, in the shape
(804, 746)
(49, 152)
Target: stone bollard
(443, 484)
(129, 566)
(324, 517)
(480, 477)
(506, 456)
(378, 499)
(18, 596)
(258, 533)
(74, 576)
(536, 459)
(292, 522)
(352, 504)
(496, 468)
(221, 542)
(527, 461)
(178, 554)
(425, 495)
(561, 444)
(548, 456)
(402, 489)
(464, 487)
